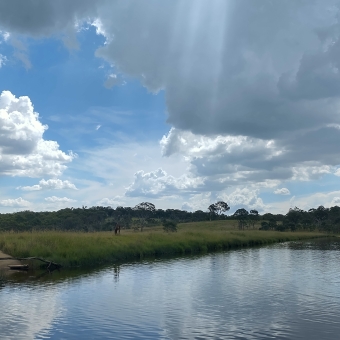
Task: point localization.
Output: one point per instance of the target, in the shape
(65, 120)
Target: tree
(293, 218)
(265, 225)
(267, 216)
(169, 226)
(199, 215)
(320, 215)
(218, 208)
(242, 217)
(253, 217)
(145, 211)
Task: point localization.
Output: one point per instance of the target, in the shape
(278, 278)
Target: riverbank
(72, 249)
(5, 263)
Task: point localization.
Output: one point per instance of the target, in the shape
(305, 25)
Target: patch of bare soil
(5, 263)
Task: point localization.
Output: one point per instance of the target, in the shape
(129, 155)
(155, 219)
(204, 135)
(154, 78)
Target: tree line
(145, 214)
(321, 219)
(98, 218)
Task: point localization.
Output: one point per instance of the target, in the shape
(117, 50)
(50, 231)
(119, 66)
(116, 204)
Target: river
(282, 291)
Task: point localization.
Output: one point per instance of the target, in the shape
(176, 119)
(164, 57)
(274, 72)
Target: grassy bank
(89, 249)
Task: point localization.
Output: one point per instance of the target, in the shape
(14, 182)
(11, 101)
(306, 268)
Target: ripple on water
(286, 291)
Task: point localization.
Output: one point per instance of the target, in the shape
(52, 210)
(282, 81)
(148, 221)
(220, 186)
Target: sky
(178, 103)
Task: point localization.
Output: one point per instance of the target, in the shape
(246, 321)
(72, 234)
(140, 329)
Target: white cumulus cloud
(158, 184)
(50, 184)
(113, 202)
(335, 201)
(282, 191)
(17, 202)
(23, 150)
(231, 160)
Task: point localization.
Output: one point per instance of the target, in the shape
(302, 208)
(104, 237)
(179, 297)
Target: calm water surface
(285, 291)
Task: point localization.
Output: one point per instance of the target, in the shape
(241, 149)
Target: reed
(74, 249)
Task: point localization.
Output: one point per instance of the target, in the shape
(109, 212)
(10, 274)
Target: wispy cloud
(55, 199)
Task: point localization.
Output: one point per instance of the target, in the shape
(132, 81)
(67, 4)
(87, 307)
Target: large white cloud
(237, 198)
(235, 160)
(23, 150)
(158, 183)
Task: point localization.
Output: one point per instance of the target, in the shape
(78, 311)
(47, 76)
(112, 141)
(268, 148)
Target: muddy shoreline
(5, 263)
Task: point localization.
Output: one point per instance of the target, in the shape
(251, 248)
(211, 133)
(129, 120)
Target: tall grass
(88, 249)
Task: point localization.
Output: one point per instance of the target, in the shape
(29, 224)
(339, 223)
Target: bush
(169, 226)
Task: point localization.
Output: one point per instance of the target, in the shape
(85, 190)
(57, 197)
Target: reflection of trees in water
(3, 279)
(116, 271)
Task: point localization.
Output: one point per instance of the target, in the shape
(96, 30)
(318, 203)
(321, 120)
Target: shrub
(169, 226)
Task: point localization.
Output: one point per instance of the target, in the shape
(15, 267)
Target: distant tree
(270, 225)
(265, 225)
(145, 206)
(253, 217)
(293, 218)
(200, 215)
(218, 208)
(279, 217)
(267, 216)
(319, 215)
(242, 217)
(144, 211)
(169, 226)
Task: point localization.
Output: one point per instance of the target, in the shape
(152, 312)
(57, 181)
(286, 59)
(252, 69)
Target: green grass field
(72, 249)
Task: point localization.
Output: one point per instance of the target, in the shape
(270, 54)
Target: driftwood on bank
(50, 263)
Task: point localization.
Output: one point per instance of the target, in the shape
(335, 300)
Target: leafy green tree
(218, 208)
(293, 218)
(145, 211)
(265, 225)
(253, 217)
(319, 215)
(242, 217)
(199, 215)
(267, 216)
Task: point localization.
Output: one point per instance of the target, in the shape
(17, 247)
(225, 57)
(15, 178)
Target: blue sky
(176, 103)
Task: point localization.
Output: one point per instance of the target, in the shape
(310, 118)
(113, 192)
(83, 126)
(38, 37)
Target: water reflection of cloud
(227, 299)
(27, 312)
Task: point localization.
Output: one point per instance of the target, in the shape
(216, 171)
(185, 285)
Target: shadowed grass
(88, 249)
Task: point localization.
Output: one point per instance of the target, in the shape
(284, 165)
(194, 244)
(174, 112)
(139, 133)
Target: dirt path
(4, 263)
